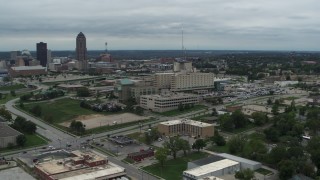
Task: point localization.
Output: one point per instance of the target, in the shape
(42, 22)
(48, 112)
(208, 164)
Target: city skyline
(144, 25)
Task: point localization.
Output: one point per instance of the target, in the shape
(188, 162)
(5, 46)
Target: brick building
(186, 127)
(27, 71)
(82, 165)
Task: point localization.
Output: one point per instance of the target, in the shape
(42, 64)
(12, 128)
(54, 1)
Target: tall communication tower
(106, 46)
(184, 54)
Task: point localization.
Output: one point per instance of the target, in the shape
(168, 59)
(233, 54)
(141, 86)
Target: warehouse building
(186, 127)
(8, 135)
(244, 163)
(218, 168)
(27, 71)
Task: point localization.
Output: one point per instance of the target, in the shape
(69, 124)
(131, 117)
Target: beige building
(162, 80)
(186, 127)
(192, 81)
(184, 81)
(166, 102)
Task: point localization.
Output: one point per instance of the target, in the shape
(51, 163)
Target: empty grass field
(12, 87)
(173, 168)
(32, 141)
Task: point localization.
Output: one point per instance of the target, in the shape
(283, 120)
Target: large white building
(166, 102)
(218, 168)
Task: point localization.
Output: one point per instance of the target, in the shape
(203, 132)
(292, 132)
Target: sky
(157, 25)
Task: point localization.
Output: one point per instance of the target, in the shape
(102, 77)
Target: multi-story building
(80, 165)
(42, 53)
(166, 102)
(192, 81)
(186, 127)
(162, 80)
(13, 55)
(27, 71)
(81, 50)
(49, 58)
(81, 47)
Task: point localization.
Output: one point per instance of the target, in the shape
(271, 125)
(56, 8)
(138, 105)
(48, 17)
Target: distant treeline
(149, 54)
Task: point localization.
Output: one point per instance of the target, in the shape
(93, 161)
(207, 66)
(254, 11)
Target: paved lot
(97, 120)
(15, 174)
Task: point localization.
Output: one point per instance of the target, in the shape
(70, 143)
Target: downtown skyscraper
(42, 53)
(81, 47)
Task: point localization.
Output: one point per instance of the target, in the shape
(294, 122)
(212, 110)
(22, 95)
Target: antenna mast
(182, 48)
(106, 45)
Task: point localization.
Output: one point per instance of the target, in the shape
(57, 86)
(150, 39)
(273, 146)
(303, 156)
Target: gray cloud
(145, 24)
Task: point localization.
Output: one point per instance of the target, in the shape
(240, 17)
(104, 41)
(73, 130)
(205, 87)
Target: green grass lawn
(12, 87)
(173, 168)
(176, 112)
(219, 149)
(61, 110)
(263, 171)
(32, 141)
(200, 118)
(243, 129)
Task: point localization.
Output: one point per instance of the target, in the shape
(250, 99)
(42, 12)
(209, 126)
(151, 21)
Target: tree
(277, 154)
(0, 95)
(36, 110)
(214, 112)
(83, 92)
(30, 127)
(272, 134)
(255, 149)
(77, 126)
(184, 146)
(161, 155)
(271, 93)
(173, 146)
(13, 93)
(269, 102)
(259, 118)
(5, 114)
(218, 139)
(275, 109)
(239, 119)
(226, 122)
(139, 110)
(286, 169)
(180, 107)
(21, 105)
(246, 174)
(21, 140)
(236, 144)
(199, 144)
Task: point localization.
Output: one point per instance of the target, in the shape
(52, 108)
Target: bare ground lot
(97, 120)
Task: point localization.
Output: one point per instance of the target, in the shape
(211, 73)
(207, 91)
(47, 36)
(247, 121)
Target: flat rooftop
(7, 131)
(186, 121)
(65, 164)
(212, 167)
(109, 170)
(170, 96)
(25, 68)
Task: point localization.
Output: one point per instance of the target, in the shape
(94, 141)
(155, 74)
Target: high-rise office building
(49, 58)
(42, 53)
(81, 47)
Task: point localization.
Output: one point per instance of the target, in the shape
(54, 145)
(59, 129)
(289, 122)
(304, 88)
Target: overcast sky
(156, 24)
